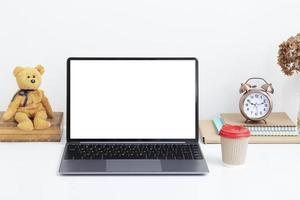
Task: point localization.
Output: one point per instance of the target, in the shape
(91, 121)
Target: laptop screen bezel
(68, 130)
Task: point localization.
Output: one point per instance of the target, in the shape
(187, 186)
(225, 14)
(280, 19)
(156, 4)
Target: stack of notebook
(278, 128)
(277, 124)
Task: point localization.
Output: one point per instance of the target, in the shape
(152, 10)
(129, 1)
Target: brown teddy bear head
(29, 78)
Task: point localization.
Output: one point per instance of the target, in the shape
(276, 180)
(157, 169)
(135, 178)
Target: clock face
(256, 105)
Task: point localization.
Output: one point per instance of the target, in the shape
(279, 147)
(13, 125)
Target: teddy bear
(29, 106)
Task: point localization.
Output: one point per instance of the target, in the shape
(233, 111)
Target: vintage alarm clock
(256, 103)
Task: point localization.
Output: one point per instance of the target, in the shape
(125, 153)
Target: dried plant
(289, 55)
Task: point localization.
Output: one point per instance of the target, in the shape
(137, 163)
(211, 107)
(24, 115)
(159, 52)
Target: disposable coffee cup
(234, 143)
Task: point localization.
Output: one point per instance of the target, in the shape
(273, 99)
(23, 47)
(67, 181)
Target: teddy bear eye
(33, 76)
(28, 76)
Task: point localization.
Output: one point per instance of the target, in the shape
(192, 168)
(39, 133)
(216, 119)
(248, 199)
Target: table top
(30, 171)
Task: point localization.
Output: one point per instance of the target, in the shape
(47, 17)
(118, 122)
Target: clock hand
(251, 103)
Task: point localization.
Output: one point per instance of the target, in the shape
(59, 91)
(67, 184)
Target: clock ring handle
(267, 87)
(257, 78)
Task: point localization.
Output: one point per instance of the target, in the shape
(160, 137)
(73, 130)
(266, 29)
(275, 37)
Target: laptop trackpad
(133, 166)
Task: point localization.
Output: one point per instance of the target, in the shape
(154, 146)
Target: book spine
(218, 123)
(273, 130)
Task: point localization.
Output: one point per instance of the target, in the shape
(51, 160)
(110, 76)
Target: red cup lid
(233, 131)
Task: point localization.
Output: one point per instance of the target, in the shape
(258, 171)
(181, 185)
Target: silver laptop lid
(132, 99)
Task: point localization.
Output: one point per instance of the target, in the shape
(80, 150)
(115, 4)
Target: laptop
(132, 116)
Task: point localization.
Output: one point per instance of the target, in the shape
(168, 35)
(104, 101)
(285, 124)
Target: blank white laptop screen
(132, 99)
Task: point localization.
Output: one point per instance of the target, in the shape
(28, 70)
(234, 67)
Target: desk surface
(29, 171)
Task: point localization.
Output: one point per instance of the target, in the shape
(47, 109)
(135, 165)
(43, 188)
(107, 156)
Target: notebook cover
(274, 119)
(208, 135)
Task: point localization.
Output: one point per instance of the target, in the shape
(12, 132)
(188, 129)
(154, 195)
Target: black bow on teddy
(23, 93)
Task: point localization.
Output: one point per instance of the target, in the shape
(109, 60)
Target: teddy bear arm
(12, 108)
(47, 107)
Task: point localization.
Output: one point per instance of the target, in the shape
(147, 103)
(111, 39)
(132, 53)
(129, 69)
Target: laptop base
(131, 166)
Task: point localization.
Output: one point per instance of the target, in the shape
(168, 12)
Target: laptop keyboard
(133, 151)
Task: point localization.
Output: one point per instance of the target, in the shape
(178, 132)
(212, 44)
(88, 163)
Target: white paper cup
(234, 143)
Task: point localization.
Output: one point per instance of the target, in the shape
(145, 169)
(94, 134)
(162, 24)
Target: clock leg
(246, 121)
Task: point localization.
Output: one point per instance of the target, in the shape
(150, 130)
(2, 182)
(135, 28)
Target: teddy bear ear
(40, 69)
(17, 70)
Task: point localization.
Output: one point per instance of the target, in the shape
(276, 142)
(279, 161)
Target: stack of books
(278, 128)
(277, 124)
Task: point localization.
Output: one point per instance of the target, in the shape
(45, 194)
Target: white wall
(233, 40)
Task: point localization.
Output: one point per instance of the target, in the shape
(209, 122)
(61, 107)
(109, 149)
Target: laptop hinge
(132, 142)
